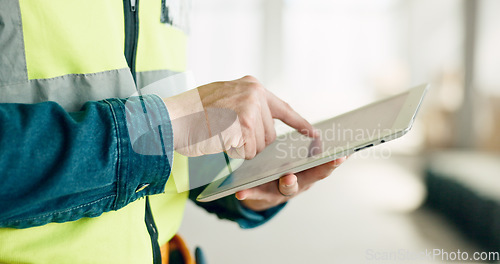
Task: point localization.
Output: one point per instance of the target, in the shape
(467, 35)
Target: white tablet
(340, 136)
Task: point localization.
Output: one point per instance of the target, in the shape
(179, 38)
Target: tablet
(340, 136)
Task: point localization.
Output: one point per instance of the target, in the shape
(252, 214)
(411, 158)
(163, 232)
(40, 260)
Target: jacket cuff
(251, 219)
(145, 147)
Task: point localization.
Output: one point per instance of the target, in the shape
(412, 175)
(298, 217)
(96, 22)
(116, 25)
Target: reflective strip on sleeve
(73, 90)
(12, 60)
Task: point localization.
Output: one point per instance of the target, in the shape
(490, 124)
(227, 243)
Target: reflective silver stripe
(70, 91)
(148, 77)
(12, 60)
(73, 90)
(165, 83)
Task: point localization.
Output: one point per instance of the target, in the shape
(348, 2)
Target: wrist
(181, 109)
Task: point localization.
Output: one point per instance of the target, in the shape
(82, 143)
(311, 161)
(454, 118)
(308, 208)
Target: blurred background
(436, 188)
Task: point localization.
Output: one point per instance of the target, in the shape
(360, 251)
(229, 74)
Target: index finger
(284, 112)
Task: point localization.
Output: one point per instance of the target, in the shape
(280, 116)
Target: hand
(233, 116)
(273, 193)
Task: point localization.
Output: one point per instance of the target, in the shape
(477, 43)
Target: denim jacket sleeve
(230, 208)
(57, 166)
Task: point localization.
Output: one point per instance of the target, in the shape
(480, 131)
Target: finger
(339, 161)
(267, 120)
(283, 111)
(260, 135)
(310, 176)
(236, 153)
(234, 141)
(267, 192)
(250, 145)
(288, 185)
(242, 195)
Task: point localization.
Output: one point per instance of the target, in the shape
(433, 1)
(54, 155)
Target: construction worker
(72, 175)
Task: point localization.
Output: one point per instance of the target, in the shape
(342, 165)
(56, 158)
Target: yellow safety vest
(72, 52)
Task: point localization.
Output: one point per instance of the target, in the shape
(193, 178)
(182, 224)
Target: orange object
(176, 244)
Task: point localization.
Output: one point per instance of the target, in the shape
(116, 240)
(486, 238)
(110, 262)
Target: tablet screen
(337, 135)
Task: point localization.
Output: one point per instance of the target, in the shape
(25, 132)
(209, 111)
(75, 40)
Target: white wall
(325, 57)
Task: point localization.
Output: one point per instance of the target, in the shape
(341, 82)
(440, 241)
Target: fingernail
(289, 185)
(240, 197)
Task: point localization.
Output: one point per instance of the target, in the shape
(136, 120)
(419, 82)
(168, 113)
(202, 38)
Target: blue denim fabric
(57, 166)
(230, 208)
